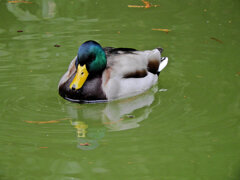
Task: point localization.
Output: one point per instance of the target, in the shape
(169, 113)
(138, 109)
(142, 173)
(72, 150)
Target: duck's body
(112, 73)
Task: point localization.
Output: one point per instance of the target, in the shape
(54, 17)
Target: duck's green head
(91, 60)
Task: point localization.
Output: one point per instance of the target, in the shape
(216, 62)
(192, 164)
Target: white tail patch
(163, 64)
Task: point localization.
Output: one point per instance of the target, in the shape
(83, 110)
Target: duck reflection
(92, 121)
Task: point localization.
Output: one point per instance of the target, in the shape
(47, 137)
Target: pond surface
(185, 128)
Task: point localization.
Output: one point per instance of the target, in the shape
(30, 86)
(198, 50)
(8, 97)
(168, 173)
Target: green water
(185, 128)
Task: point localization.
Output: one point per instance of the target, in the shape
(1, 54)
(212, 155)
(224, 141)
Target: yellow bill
(79, 78)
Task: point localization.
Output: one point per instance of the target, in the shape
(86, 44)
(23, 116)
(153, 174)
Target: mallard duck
(99, 74)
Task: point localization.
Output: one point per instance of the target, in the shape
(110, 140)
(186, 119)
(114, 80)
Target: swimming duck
(99, 74)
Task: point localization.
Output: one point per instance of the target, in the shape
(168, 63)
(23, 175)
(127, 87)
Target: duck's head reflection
(92, 121)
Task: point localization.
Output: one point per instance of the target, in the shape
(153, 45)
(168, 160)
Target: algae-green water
(187, 127)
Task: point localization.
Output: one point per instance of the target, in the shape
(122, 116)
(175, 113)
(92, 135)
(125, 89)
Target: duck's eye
(82, 73)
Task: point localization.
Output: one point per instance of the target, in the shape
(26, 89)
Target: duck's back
(130, 72)
(127, 62)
